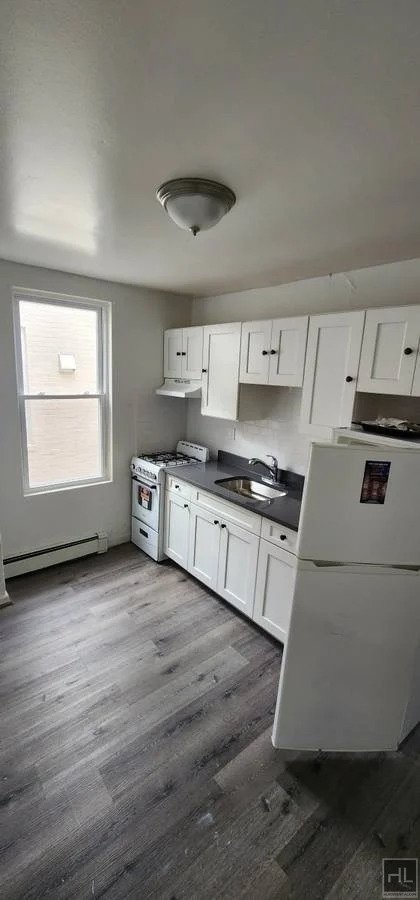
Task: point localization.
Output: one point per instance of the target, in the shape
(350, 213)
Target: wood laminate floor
(136, 761)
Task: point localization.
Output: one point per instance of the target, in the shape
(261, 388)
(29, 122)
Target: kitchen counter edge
(284, 510)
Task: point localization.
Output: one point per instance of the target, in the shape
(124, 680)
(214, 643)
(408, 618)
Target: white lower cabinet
(274, 589)
(251, 573)
(204, 541)
(223, 556)
(177, 528)
(237, 571)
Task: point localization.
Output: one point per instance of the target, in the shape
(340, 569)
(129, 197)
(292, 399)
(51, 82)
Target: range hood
(179, 387)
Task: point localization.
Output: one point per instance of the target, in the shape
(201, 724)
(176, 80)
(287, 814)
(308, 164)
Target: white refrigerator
(350, 677)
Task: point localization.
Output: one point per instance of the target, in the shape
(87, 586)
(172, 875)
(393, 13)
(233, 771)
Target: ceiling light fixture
(195, 204)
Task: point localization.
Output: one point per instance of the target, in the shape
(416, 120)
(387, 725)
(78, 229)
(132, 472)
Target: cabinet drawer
(179, 487)
(229, 511)
(279, 535)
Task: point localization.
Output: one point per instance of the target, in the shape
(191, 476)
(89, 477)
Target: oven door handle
(153, 487)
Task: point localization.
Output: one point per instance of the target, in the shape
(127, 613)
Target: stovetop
(164, 458)
(149, 465)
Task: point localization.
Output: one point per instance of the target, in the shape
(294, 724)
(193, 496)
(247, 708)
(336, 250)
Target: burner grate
(163, 458)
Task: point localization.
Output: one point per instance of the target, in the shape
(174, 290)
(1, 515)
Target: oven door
(145, 499)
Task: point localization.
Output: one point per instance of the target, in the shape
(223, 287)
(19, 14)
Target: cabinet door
(255, 352)
(172, 353)
(192, 352)
(332, 363)
(287, 351)
(237, 566)
(203, 551)
(389, 350)
(220, 385)
(276, 576)
(415, 390)
(176, 529)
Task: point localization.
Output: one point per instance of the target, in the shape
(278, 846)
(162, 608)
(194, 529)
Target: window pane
(59, 348)
(64, 440)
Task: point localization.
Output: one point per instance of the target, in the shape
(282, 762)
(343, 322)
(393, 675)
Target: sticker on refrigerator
(375, 482)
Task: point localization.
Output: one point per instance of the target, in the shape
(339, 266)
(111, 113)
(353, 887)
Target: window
(63, 377)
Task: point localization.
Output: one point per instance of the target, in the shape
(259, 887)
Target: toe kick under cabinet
(246, 559)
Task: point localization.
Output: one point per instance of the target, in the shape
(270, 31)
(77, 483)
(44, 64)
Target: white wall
(269, 416)
(4, 597)
(268, 424)
(140, 418)
(395, 284)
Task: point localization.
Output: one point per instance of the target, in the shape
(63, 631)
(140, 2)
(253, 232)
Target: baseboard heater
(50, 556)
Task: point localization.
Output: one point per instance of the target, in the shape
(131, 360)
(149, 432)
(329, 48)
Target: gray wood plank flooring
(136, 760)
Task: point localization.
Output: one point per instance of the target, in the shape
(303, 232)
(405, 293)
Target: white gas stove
(148, 477)
(152, 465)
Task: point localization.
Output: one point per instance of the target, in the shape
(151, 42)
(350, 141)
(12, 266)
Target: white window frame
(103, 308)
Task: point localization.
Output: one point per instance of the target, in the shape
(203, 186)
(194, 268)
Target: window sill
(59, 488)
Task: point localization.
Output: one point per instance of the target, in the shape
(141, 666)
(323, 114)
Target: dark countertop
(284, 511)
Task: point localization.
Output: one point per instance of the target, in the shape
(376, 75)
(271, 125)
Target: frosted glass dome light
(195, 204)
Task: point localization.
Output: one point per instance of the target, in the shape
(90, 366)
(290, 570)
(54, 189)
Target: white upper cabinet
(255, 352)
(192, 352)
(287, 351)
(172, 353)
(220, 380)
(390, 351)
(183, 353)
(332, 364)
(273, 351)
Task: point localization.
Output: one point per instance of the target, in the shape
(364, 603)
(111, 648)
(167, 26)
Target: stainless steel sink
(253, 490)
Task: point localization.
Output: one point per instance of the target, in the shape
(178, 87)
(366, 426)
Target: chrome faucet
(273, 470)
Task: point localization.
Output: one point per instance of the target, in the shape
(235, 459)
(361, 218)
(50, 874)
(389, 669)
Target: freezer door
(348, 667)
(361, 504)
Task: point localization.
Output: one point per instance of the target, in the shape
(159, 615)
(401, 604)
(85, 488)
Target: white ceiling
(308, 109)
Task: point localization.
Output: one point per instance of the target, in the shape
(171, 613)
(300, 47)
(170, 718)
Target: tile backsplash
(268, 423)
